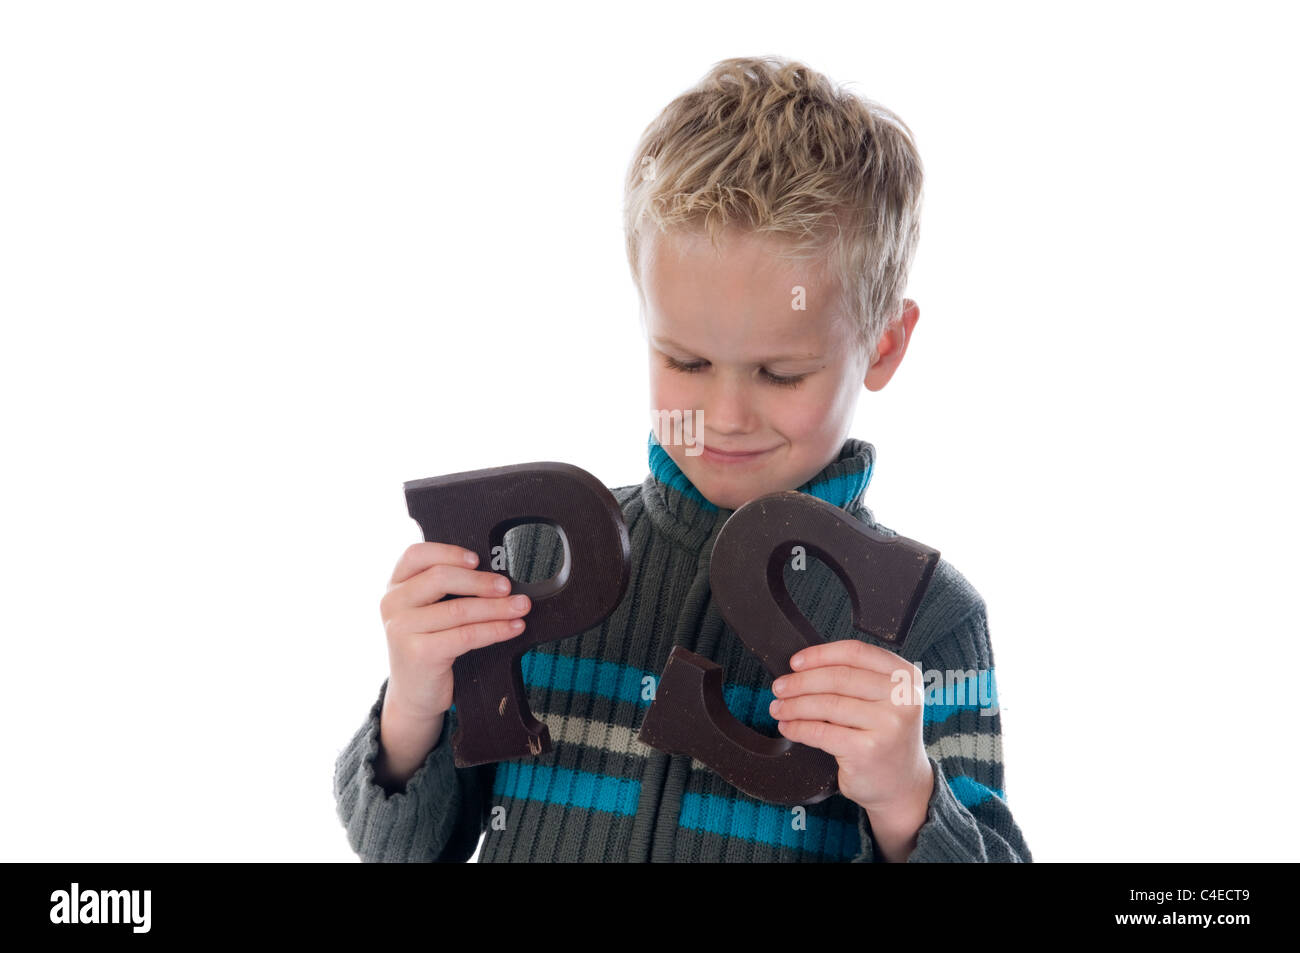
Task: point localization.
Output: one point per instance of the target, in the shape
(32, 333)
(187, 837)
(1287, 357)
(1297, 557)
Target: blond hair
(767, 145)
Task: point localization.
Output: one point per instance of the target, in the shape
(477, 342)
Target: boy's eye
(677, 365)
(772, 378)
(784, 381)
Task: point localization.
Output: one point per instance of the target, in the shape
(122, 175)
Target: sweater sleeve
(437, 817)
(968, 819)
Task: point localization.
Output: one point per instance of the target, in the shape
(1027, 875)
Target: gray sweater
(601, 795)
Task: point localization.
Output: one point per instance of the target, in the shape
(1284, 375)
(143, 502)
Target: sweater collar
(682, 512)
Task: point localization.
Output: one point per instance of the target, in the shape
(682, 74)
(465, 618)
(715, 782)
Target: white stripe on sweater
(619, 739)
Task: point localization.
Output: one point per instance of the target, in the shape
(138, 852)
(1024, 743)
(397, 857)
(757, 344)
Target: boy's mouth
(723, 456)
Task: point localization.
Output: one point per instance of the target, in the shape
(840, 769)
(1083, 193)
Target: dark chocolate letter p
(476, 509)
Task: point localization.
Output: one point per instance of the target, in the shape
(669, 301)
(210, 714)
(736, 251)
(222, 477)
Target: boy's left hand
(844, 698)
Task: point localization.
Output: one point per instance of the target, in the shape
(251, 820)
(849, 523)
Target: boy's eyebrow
(767, 360)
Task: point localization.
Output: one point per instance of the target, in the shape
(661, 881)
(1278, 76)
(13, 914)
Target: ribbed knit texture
(600, 795)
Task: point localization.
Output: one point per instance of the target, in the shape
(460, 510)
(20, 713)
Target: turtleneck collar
(681, 511)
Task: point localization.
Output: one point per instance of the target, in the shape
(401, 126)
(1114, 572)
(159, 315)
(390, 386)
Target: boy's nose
(729, 406)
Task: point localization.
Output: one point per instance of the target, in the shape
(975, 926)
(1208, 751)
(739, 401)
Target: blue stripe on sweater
(970, 792)
(585, 675)
(968, 694)
(528, 781)
(767, 824)
(624, 683)
(748, 705)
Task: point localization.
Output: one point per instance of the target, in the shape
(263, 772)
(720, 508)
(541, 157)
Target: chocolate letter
(476, 509)
(885, 577)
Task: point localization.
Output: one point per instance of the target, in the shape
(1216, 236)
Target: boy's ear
(892, 346)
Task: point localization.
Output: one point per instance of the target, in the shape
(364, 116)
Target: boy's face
(772, 381)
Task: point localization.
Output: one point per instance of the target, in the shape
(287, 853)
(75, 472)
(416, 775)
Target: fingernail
(779, 685)
(471, 558)
(502, 585)
(519, 602)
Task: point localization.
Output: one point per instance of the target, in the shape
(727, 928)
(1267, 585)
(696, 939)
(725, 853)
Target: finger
(835, 680)
(453, 613)
(850, 652)
(439, 581)
(836, 709)
(833, 739)
(454, 643)
(420, 556)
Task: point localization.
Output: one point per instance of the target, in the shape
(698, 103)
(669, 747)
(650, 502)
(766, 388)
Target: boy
(770, 220)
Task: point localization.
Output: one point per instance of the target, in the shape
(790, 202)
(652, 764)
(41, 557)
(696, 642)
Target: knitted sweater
(601, 795)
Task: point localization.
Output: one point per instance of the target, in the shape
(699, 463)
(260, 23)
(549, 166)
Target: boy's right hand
(425, 635)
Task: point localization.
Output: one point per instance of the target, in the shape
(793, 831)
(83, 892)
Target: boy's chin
(729, 494)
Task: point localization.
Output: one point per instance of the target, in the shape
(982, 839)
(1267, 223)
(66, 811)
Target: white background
(260, 263)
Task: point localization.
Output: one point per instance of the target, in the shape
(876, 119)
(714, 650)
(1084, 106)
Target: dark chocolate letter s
(476, 509)
(885, 577)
